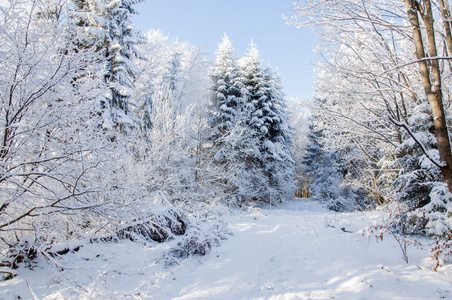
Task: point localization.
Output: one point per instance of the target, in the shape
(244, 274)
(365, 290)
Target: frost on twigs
(397, 223)
(407, 225)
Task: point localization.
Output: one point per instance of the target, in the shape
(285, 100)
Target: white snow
(295, 252)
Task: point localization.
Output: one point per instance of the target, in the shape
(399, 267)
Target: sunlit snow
(300, 251)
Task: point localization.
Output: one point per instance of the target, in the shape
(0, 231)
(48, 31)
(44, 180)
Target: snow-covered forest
(131, 156)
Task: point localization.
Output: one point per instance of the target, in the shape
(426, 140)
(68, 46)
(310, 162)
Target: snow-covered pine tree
(121, 49)
(324, 177)
(254, 92)
(420, 202)
(173, 70)
(246, 172)
(417, 173)
(111, 31)
(224, 124)
(419, 184)
(267, 120)
(225, 90)
(315, 160)
(279, 161)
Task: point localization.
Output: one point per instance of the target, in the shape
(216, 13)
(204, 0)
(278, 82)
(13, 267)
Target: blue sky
(204, 22)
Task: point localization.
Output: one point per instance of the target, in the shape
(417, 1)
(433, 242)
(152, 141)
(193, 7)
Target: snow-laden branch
(415, 62)
(405, 126)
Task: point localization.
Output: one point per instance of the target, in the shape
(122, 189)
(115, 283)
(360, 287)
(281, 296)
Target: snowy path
(293, 253)
(290, 253)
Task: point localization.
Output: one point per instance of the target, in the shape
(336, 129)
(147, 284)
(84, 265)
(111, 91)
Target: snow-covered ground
(294, 252)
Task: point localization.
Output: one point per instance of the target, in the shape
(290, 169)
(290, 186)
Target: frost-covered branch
(413, 136)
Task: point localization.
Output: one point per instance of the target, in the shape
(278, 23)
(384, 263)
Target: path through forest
(300, 251)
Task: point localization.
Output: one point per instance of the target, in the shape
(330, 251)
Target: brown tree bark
(432, 90)
(445, 13)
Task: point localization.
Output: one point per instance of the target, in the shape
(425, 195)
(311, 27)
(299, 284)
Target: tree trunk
(445, 13)
(432, 91)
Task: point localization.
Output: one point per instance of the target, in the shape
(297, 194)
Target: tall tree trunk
(445, 13)
(432, 91)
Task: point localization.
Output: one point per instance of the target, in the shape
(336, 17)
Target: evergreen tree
(224, 124)
(279, 161)
(111, 32)
(420, 202)
(225, 91)
(419, 184)
(268, 123)
(417, 174)
(246, 174)
(251, 132)
(173, 70)
(121, 49)
(254, 91)
(323, 173)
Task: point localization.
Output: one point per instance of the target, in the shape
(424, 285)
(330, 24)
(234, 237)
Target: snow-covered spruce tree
(418, 174)
(121, 49)
(267, 121)
(224, 121)
(240, 178)
(171, 76)
(225, 90)
(323, 174)
(111, 32)
(279, 161)
(421, 201)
